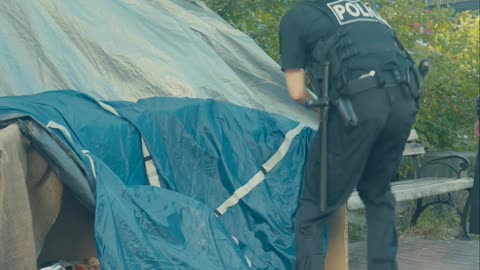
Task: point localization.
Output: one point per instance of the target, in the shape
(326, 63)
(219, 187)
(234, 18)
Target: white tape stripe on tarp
(152, 174)
(109, 108)
(63, 129)
(248, 261)
(237, 242)
(67, 134)
(92, 164)
(260, 176)
(241, 192)
(283, 149)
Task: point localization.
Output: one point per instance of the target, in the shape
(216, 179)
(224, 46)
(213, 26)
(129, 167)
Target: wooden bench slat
(419, 188)
(412, 149)
(413, 135)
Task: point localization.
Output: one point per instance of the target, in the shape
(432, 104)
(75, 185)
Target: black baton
(324, 134)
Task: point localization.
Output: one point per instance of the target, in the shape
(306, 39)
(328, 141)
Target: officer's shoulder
(298, 14)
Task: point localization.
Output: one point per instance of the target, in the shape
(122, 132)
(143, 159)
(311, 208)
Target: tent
(172, 127)
(128, 50)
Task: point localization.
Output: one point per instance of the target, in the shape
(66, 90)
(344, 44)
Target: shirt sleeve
(292, 43)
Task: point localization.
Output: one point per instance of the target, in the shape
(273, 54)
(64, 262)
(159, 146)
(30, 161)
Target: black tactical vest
(361, 41)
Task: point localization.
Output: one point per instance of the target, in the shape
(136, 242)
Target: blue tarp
(203, 151)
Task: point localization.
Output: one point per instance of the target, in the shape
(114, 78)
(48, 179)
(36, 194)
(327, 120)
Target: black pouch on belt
(415, 81)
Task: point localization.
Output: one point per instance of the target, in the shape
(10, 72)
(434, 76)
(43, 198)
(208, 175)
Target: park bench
(429, 190)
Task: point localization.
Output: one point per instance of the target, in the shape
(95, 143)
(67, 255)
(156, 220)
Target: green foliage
(448, 40)
(258, 19)
(436, 222)
(356, 232)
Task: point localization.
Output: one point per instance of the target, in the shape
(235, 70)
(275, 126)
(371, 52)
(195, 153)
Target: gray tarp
(126, 50)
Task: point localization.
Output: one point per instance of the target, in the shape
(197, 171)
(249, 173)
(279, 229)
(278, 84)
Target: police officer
(474, 227)
(370, 69)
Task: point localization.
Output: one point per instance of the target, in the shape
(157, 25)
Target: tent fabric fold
(203, 151)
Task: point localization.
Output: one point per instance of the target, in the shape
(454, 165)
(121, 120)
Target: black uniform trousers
(474, 227)
(365, 157)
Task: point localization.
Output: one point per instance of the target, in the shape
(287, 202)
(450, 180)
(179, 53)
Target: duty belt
(374, 80)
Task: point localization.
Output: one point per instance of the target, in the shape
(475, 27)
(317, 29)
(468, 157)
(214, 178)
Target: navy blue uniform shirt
(300, 29)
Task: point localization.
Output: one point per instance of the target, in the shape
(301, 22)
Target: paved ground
(426, 255)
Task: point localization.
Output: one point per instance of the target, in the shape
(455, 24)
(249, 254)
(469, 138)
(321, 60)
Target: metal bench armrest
(463, 165)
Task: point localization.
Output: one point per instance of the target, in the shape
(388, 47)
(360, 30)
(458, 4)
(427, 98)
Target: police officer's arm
(293, 55)
(295, 81)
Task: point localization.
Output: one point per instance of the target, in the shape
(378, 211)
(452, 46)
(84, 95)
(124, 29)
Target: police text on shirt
(350, 11)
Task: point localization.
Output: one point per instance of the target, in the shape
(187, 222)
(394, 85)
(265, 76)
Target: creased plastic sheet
(203, 151)
(150, 228)
(223, 150)
(127, 50)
